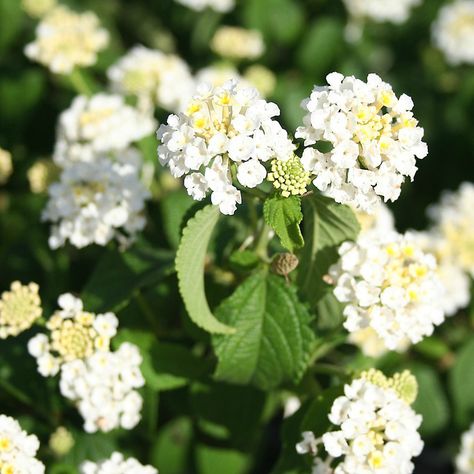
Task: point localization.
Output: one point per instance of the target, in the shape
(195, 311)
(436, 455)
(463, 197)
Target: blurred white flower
(73, 334)
(455, 281)
(389, 284)
(453, 31)
(262, 78)
(237, 43)
(222, 6)
(37, 8)
(454, 222)
(99, 124)
(374, 136)
(97, 201)
(154, 77)
(18, 449)
(397, 11)
(66, 39)
(103, 387)
(6, 165)
(222, 128)
(117, 464)
(465, 458)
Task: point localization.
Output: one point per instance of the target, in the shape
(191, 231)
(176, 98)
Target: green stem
(79, 83)
(147, 312)
(262, 241)
(329, 369)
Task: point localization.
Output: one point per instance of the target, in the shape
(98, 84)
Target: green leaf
(322, 41)
(170, 451)
(210, 460)
(173, 208)
(284, 215)
(244, 260)
(165, 366)
(11, 16)
(461, 384)
(273, 339)
(327, 226)
(232, 412)
(190, 261)
(266, 16)
(119, 274)
(431, 402)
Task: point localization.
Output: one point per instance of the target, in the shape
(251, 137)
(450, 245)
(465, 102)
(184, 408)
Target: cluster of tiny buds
(289, 177)
(403, 383)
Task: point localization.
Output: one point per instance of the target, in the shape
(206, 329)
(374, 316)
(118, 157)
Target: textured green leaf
(273, 339)
(284, 215)
(173, 208)
(461, 382)
(431, 401)
(119, 274)
(327, 226)
(190, 261)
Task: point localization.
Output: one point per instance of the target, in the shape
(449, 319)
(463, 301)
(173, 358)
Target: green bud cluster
(404, 383)
(289, 176)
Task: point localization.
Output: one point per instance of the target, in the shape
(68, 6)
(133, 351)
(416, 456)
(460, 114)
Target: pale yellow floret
(61, 441)
(19, 308)
(289, 177)
(41, 175)
(37, 8)
(6, 165)
(403, 383)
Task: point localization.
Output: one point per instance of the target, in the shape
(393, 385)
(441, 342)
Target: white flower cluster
(389, 284)
(222, 6)
(374, 136)
(99, 124)
(453, 31)
(382, 10)
(6, 165)
(17, 449)
(218, 74)
(97, 201)
(465, 458)
(103, 386)
(154, 77)
(74, 334)
(223, 129)
(117, 464)
(379, 220)
(454, 223)
(377, 428)
(455, 281)
(66, 39)
(237, 43)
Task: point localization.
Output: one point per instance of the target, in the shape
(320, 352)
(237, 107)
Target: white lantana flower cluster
(389, 284)
(103, 123)
(94, 202)
(381, 10)
(454, 223)
(66, 39)
(455, 281)
(374, 136)
(103, 386)
(237, 43)
(225, 131)
(222, 6)
(18, 449)
(6, 165)
(377, 428)
(154, 77)
(465, 458)
(74, 334)
(453, 31)
(117, 464)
